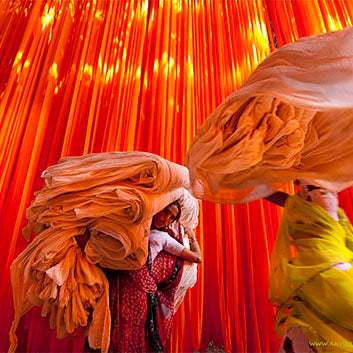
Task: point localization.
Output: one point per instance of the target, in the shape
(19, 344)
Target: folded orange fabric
(112, 197)
(292, 118)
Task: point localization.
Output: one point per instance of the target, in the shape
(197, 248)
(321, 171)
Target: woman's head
(328, 200)
(313, 191)
(165, 217)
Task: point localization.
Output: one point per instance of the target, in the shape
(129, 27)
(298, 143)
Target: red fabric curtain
(93, 76)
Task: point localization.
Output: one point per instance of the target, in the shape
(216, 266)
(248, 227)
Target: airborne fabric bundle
(291, 119)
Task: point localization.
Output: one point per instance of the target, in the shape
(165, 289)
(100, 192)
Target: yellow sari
(306, 288)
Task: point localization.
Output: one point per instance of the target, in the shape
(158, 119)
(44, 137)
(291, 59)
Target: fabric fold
(306, 286)
(291, 119)
(111, 198)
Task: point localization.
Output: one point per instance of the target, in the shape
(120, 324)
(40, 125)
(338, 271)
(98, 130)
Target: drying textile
(292, 118)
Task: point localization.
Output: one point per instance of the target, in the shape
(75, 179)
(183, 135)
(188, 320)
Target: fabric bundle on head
(292, 118)
(111, 197)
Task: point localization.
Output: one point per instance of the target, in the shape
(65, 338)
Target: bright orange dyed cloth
(292, 118)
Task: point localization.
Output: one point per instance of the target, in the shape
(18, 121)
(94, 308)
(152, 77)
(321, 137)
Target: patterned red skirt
(142, 305)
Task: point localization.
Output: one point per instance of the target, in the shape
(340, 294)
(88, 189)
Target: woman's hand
(190, 234)
(194, 254)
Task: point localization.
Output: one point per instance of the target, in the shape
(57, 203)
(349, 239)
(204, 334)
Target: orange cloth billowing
(292, 118)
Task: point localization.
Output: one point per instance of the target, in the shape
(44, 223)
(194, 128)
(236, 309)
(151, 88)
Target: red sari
(142, 303)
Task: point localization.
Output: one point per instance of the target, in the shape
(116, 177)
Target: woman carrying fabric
(142, 301)
(95, 213)
(292, 119)
(160, 240)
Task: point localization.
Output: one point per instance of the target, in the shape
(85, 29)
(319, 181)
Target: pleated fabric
(290, 119)
(111, 197)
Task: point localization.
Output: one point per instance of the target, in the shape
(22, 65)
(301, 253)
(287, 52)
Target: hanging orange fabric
(98, 76)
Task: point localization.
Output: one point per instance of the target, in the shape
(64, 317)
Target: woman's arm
(172, 246)
(279, 198)
(194, 254)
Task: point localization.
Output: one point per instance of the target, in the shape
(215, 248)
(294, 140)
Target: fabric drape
(306, 288)
(290, 119)
(79, 77)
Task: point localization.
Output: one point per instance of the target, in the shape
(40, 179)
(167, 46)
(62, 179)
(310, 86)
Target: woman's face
(165, 217)
(325, 198)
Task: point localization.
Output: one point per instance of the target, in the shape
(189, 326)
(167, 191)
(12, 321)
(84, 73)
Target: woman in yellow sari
(311, 277)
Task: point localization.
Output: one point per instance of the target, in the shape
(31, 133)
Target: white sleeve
(172, 246)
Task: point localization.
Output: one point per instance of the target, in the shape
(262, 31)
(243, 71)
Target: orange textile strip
(82, 76)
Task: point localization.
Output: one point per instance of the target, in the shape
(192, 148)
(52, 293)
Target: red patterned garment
(142, 303)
